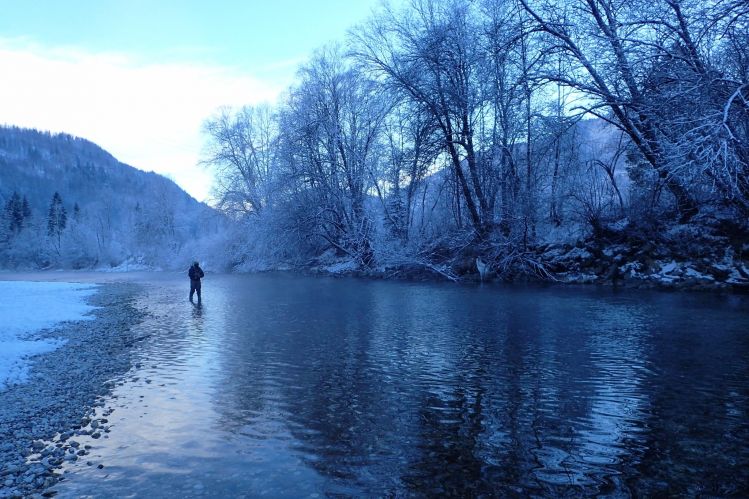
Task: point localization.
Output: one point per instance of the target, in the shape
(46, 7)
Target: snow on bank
(28, 307)
(136, 264)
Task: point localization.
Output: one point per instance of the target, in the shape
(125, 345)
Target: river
(290, 386)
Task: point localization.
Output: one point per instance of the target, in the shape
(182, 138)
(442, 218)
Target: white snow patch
(631, 268)
(340, 267)
(28, 307)
(579, 253)
(690, 272)
(735, 277)
(133, 264)
(619, 225)
(130, 267)
(668, 268)
(579, 278)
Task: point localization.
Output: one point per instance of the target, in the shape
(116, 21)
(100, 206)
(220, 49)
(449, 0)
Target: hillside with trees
(584, 141)
(67, 203)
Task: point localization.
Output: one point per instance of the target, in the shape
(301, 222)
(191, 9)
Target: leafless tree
(242, 147)
(333, 122)
(612, 46)
(430, 57)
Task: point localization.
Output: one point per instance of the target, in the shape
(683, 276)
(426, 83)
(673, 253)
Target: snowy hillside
(106, 212)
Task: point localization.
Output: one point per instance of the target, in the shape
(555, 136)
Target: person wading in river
(195, 273)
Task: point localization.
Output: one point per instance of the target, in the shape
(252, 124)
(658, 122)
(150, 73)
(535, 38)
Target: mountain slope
(113, 212)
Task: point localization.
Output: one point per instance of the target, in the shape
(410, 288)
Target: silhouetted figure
(195, 273)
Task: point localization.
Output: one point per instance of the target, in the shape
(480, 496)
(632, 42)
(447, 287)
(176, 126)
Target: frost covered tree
(650, 69)
(410, 146)
(57, 220)
(430, 57)
(17, 213)
(242, 149)
(331, 127)
(441, 131)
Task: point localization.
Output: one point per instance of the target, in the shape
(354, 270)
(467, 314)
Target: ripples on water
(291, 386)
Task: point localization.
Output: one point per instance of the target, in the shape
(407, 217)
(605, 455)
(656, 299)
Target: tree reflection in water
(402, 388)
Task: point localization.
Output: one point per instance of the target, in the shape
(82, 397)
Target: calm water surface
(308, 387)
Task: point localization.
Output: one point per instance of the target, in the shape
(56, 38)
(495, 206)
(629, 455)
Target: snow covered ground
(27, 307)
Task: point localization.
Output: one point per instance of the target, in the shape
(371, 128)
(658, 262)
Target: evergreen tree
(15, 213)
(57, 219)
(26, 209)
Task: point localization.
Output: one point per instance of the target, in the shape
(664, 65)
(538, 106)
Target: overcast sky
(138, 77)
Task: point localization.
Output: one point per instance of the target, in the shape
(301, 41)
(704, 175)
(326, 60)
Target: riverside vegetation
(572, 141)
(576, 141)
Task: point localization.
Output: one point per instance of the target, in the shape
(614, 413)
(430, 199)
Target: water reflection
(290, 386)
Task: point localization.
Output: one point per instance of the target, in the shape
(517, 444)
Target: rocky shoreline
(41, 418)
(672, 264)
(672, 275)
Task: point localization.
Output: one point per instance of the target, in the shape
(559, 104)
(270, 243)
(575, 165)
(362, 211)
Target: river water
(287, 386)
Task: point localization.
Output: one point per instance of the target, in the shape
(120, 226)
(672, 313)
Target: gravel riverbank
(40, 419)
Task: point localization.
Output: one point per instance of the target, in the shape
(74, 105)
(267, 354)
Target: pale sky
(139, 77)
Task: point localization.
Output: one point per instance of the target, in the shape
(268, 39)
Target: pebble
(57, 402)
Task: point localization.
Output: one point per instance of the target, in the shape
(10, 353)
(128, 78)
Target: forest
(592, 139)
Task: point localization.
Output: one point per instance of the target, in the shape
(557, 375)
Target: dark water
(308, 387)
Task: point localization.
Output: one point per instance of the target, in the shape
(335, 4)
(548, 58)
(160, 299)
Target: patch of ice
(28, 307)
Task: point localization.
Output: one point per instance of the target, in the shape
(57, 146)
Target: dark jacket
(195, 273)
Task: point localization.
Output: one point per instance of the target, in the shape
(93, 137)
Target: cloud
(146, 114)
